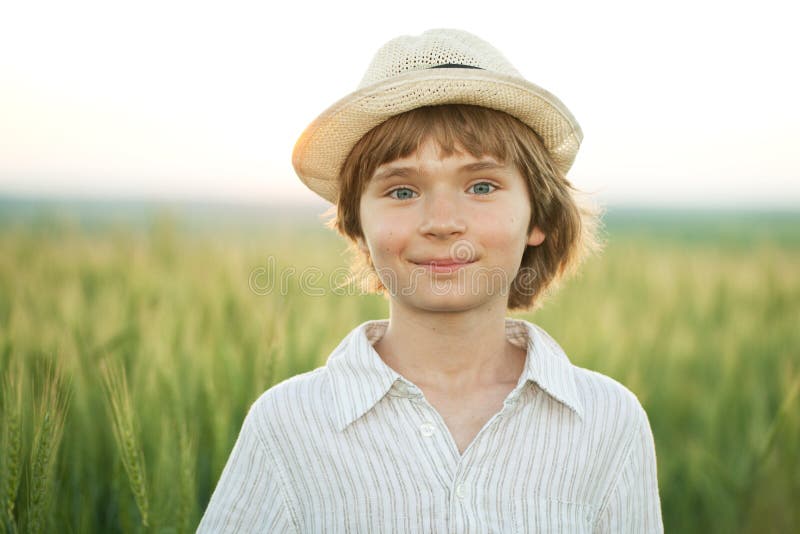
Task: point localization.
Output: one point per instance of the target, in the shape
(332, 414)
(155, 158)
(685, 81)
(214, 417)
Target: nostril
(443, 233)
(443, 226)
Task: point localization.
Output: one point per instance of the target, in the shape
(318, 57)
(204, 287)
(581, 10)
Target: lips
(443, 262)
(443, 265)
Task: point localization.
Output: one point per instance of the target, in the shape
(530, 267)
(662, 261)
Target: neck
(451, 352)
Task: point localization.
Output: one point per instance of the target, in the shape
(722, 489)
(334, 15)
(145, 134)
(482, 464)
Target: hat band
(454, 66)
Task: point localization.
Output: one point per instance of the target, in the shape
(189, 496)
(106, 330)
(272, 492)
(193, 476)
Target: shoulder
(614, 419)
(603, 399)
(302, 388)
(610, 412)
(615, 428)
(294, 405)
(607, 402)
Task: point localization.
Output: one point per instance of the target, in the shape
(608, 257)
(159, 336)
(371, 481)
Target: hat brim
(323, 147)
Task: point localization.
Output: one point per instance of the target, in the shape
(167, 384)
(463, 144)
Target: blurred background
(147, 198)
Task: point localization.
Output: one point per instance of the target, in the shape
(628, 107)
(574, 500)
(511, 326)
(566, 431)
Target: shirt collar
(360, 378)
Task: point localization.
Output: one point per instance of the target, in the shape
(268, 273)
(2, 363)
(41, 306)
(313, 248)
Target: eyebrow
(404, 172)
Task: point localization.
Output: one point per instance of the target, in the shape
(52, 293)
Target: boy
(447, 169)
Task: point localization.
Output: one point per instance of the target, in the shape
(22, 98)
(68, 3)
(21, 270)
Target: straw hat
(437, 67)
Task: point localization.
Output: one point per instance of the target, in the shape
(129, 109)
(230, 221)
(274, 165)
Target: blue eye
(405, 196)
(484, 187)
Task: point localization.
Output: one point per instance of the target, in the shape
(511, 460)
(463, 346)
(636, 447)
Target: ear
(536, 237)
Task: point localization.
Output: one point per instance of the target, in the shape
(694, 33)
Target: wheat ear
(122, 422)
(10, 445)
(49, 417)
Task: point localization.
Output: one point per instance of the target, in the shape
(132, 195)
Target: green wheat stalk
(187, 455)
(760, 457)
(122, 422)
(786, 407)
(49, 417)
(11, 445)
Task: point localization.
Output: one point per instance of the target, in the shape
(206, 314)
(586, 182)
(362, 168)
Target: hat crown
(432, 48)
(403, 75)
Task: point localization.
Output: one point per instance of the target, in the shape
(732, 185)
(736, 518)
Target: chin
(451, 303)
(457, 295)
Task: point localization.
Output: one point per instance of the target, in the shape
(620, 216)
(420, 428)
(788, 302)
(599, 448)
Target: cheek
(506, 233)
(384, 235)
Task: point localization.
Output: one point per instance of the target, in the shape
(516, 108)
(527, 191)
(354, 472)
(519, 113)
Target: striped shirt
(355, 447)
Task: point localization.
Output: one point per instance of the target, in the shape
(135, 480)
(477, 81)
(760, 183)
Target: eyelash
(391, 193)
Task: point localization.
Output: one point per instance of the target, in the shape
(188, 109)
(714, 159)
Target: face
(446, 234)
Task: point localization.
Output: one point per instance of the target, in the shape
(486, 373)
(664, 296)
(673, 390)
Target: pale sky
(681, 103)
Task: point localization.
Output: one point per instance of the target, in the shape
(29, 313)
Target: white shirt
(355, 447)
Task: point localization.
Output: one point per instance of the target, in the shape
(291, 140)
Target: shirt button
(460, 491)
(426, 429)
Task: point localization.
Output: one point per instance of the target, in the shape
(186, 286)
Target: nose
(443, 215)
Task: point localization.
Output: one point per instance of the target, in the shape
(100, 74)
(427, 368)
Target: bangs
(477, 130)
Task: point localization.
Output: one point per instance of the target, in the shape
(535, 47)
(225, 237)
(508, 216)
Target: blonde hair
(571, 225)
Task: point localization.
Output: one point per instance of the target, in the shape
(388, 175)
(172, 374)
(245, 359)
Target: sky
(681, 103)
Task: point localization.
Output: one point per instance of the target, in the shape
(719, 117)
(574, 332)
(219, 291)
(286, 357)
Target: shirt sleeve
(633, 504)
(249, 496)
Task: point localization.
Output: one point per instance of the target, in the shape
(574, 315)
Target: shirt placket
(433, 428)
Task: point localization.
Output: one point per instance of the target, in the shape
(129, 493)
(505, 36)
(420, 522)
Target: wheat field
(133, 342)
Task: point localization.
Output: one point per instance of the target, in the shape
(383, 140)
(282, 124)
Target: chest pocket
(543, 515)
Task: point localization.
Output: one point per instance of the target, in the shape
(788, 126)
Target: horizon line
(312, 203)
